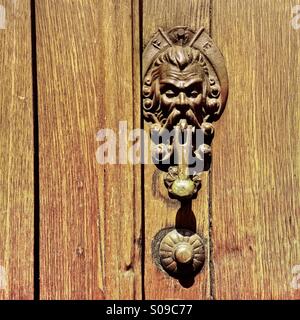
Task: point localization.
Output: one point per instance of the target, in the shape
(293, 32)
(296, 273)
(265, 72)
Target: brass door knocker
(185, 87)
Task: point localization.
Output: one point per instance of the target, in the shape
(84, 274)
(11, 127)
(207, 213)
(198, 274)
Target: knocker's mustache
(175, 116)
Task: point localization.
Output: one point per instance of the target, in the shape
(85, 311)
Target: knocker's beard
(165, 151)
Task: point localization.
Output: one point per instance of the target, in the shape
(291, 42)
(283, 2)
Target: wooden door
(71, 228)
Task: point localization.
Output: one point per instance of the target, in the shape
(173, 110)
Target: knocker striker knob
(182, 252)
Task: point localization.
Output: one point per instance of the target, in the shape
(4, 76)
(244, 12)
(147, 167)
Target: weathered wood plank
(16, 152)
(256, 172)
(160, 210)
(90, 213)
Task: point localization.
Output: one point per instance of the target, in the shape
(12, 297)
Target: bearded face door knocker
(185, 88)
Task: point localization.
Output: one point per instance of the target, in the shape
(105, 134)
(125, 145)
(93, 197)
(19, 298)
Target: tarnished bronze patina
(185, 89)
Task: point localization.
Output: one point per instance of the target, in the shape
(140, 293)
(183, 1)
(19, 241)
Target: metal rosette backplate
(182, 252)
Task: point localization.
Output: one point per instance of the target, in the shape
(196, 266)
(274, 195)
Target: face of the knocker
(182, 93)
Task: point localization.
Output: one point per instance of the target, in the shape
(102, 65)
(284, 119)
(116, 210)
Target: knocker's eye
(170, 94)
(194, 94)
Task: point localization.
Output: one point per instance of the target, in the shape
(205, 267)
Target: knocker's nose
(182, 103)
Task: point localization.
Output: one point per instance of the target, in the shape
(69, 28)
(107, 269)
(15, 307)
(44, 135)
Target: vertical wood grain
(90, 213)
(256, 152)
(160, 210)
(16, 152)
